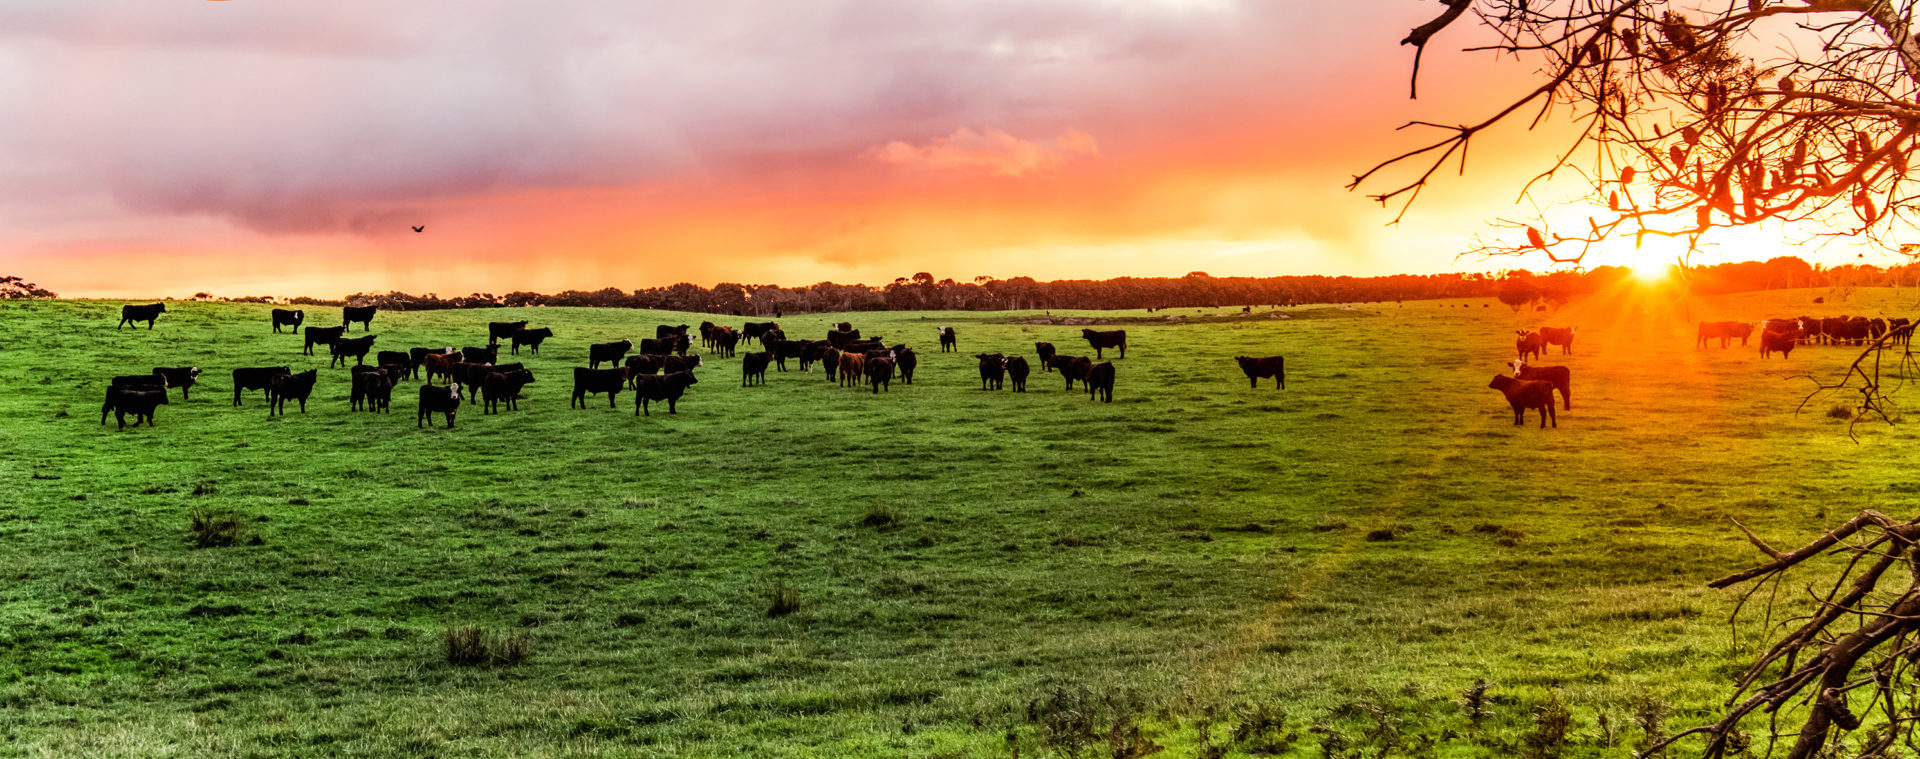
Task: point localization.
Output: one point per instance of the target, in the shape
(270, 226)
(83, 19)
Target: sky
(248, 147)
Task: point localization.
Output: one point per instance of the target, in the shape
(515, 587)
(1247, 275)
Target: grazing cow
(480, 355)
(607, 353)
(774, 335)
(1099, 382)
(397, 372)
(392, 358)
(993, 367)
(326, 336)
(830, 361)
(1045, 353)
(1017, 370)
(838, 338)
(725, 339)
(906, 361)
(1530, 344)
(1782, 341)
(440, 364)
(296, 386)
(437, 400)
(147, 313)
(596, 381)
(753, 368)
(284, 317)
(1723, 330)
(664, 331)
(1559, 376)
(862, 346)
(419, 358)
(138, 382)
(1526, 394)
(357, 347)
(1100, 341)
(1269, 366)
(853, 366)
(362, 314)
(256, 378)
(504, 386)
(368, 384)
(497, 330)
(665, 387)
(811, 352)
(753, 330)
(644, 364)
(1072, 368)
(948, 340)
(880, 373)
(138, 400)
(532, 338)
(675, 344)
(1559, 336)
(671, 364)
(182, 377)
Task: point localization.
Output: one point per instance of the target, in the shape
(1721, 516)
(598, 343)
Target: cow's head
(1518, 366)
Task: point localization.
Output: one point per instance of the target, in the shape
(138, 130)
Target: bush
(475, 647)
(213, 530)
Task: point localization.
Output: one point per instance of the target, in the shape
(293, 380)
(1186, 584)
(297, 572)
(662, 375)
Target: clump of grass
(203, 487)
(881, 516)
(1650, 715)
(782, 600)
(213, 529)
(1474, 700)
(1383, 534)
(1551, 723)
(1840, 411)
(475, 647)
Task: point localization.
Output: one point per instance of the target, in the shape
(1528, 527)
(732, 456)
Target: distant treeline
(1195, 290)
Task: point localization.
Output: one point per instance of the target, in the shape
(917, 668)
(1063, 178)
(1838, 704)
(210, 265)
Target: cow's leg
(1546, 413)
(121, 417)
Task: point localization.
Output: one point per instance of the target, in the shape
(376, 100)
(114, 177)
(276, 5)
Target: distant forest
(1517, 288)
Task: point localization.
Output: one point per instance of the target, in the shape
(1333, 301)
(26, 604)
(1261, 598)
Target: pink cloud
(999, 153)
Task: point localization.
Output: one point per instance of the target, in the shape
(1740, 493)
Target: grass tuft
(475, 647)
(208, 529)
(1840, 411)
(782, 600)
(881, 516)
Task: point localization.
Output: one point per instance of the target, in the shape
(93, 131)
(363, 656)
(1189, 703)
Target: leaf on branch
(1678, 156)
(1613, 200)
(1534, 238)
(1626, 175)
(1689, 134)
(1631, 39)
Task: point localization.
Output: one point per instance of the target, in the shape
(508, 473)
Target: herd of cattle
(1782, 335)
(657, 370)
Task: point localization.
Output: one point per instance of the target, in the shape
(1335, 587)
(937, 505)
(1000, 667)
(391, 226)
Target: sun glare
(1649, 272)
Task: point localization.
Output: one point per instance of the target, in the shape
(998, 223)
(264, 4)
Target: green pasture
(1228, 571)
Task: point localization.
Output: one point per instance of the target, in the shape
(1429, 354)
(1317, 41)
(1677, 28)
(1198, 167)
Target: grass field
(1229, 571)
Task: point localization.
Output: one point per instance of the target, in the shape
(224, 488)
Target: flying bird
(419, 229)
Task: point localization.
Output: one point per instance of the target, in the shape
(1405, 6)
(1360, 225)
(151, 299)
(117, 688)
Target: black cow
(596, 381)
(753, 330)
(468, 374)
(671, 364)
(284, 317)
(1100, 382)
(435, 399)
(1100, 341)
(838, 338)
(830, 361)
(665, 387)
(905, 359)
(147, 313)
(1559, 376)
(665, 330)
(607, 353)
(643, 364)
(1072, 368)
(880, 373)
(862, 346)
(140, 401)
(322, 336)
(532, 338)
(139, 382)
(357, 347)
(182, 377)
(497, 330)
(948, 340)
(659, 346)
(783, 350)
(504, 386)
(725, 339)
(362, 314)
(256, 378)
(993, 370)
(296, 386)
(1044, 352)
(370, 384)
(753, 366)
(1017, 370)
(391, 358)
(480, 355)
(1270, 366)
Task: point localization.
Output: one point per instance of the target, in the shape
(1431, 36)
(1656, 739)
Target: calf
(147, 313)
(1529, 344)
(1017, 370)
(497, 330)
(362, 314)
(993, 367)
(322, 336)
(441, 365)
(357, 347)
(284, 317)
(1783, 342)
(665, 387)
(140, 401)
(596, 381)
(1559, 336)
(853, 366)
(182, 377)
(296, 386)
(369, 383)
(1100, 382)
(504, 386)
(753, 368)
(1526, 394)
(1559, 376)
(486, 354)
(948, 341)
(419, 358)
(1269, 366)
(532, 338)
(435, 399)
(256, 378)
(880, 373)
(1072, 368)
(1045, 353)
(607, 353)
(905, 360)
(1100, 341)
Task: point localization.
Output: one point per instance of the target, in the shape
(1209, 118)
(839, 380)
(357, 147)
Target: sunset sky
(249, 147)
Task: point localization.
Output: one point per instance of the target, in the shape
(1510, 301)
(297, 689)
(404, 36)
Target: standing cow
(948, 340)
(1270, 366)
(283, 317)
(147, 313)
(1100, 341)
(362, 314)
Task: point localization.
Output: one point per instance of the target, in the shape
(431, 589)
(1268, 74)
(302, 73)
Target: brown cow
(1526, 394)
(1529, 343)
(1562, 337)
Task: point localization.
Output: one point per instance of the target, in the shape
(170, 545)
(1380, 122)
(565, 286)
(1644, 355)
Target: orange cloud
(1002, 154)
